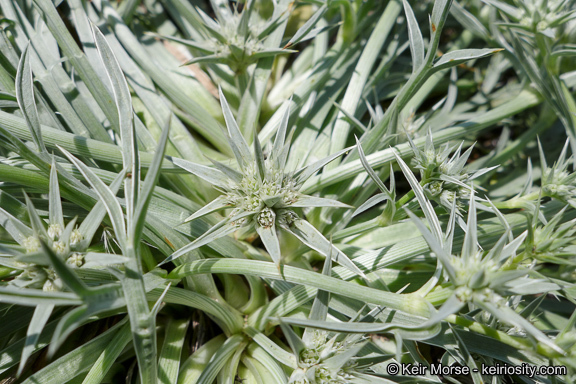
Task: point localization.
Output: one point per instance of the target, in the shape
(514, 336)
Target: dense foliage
(277, 191)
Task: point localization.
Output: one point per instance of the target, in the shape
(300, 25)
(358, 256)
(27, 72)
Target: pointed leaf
(415, 37)
(237, 141)
(107, 197)
(271, 243)
(211, 175)
(259, 158)
(454, 58)
(149, 184)
(310, 236)
(308, 171)
(217, 204)
(370, 203)
(39, 319)
(25, 96)
(312, 201)
(55, 204)
(307, 27)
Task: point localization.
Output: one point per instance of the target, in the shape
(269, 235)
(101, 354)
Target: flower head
(262, 194)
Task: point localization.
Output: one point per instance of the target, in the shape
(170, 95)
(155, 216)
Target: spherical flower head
(32, 244)
(59, 247)
(75, 260)
(54, 231)
(76, 237)
(266, 218)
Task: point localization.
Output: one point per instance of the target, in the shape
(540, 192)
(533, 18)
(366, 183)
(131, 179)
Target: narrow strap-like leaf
(217, 204)
(93, 220)
(107, 197)
(307, 27)
(308, 171)
(35, 220)
(271, 243)
(310, 236)
(25, 96)
(55, 204)
(377, 199)
(313, 201)
(149, 183)
(211, 175)
(259, 156)
(123, 101)
(454, 58)
(39, 319)
(415, 37)
(237, 142)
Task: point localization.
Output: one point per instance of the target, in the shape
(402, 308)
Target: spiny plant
(178, 181)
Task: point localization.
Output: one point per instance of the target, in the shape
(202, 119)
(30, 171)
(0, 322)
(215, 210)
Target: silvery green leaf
(35, 220)
(55, 204)
(93, 220)
(310, 236)
(296, 344)
(122, 98)
(192, 44)
(376, 199)
(37, 323)
(217, 58)
(109, 355)
(270, 52)
(305, 29)
(469, 248)
(509, 316)
(277, 149)
(312, 201)
(271, 243)
(94, 259)
(107, 197)
(337, 361)
(454, 58)
(220, 358)
(319, 309)
(415, 36)
(527, 286)
(468, 358)
(18, 230)
(34, 297)
(158, 304)
(223, 228)
(211, 175)
(217, 204)
(308, 171)
(512, 247)
(233, 174)
(68, 324)
(150, 182)
(435, 245)
(370, 171)
(351, 117)
(273, 349)
(469, 21)
(259, 156)
(25, 96)
(514, 13)
(171, 353)
(237, 142)
(450, 306)
(422, 200)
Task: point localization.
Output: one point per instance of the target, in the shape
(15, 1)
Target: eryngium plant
(173, 180)
(263, 194)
